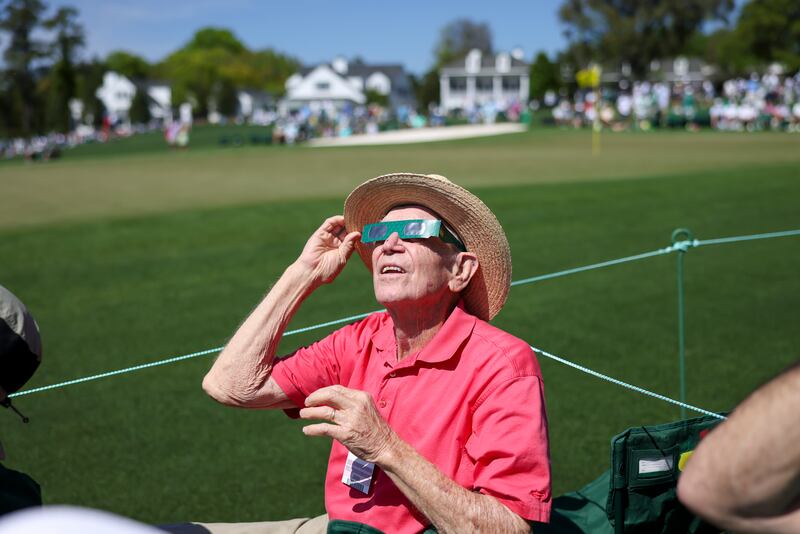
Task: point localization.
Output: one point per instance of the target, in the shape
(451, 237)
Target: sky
(316, 31)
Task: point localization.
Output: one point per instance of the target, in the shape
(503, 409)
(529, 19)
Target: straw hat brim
(466, 214)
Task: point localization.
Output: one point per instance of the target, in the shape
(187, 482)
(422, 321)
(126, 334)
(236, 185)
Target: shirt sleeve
(509, 448)
(307, 369)
(321, 364)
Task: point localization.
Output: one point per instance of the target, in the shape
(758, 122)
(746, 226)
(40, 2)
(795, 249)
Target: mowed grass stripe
(122, 290)
(159, 180)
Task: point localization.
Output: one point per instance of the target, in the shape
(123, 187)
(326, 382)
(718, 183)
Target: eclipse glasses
(411, 229)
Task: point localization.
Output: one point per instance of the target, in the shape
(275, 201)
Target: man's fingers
(335, 396)
(349, 244)
(332, 224)
(326, 413)
(324, 429)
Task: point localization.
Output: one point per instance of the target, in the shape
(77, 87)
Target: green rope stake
(681, 241)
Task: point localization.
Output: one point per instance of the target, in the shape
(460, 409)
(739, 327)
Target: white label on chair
(655, 465)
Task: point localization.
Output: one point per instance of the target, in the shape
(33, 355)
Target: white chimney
(339, 64)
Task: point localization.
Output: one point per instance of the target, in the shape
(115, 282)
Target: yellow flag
(589, 77)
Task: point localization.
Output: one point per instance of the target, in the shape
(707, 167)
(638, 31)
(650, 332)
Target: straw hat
(472, 221)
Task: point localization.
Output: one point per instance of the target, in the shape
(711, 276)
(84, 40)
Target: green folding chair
(639, 493)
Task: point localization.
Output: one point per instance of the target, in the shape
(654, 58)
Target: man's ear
(464, 268)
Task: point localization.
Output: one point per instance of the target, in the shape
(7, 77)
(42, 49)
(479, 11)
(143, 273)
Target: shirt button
(382, 403)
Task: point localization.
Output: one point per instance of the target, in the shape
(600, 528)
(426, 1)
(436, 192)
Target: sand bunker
(420, 135)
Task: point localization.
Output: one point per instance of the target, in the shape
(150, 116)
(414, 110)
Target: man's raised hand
(328, 249)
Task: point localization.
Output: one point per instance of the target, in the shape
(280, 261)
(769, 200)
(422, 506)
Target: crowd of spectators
(317, 120)
(759, 102)
(52, 145)
(327, 120)
(40, 147)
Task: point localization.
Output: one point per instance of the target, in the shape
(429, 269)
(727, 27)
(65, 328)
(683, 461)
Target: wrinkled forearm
(745, 475)
(450, 507)
(239, 374)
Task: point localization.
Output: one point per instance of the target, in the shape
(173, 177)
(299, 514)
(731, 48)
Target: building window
(510, 83)
(323, 86)
(484, 83)
(458, 84)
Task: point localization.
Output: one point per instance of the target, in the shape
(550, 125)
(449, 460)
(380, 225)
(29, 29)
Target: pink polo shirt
(471, 402)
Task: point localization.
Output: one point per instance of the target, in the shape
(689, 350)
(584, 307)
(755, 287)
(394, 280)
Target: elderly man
(437, 417)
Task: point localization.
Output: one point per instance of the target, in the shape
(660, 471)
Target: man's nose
(392, 243)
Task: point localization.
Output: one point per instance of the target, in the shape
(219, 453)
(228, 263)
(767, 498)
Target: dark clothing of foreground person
(437, 417)
(745, 475)
(20, 355)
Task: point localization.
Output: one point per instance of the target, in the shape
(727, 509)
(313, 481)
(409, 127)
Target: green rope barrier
(739, 239)
(178, 358)
(676, 246)
(632, 387)
(600, 265)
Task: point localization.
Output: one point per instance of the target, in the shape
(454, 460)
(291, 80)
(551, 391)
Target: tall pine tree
(69, 37)
(19, 19)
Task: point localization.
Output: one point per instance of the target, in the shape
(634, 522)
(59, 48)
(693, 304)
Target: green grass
(131, 258)
(162, 181)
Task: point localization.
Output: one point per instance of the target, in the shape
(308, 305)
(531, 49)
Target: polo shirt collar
(444, 344)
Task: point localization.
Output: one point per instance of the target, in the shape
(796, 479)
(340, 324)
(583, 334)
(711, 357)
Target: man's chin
(390, 301)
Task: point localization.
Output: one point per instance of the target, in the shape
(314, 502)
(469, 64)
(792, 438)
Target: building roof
(358, 68)
(488, 61)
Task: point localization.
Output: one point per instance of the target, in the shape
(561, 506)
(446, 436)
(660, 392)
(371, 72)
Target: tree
(770, 29)
(544, 76)
(274, 69)
(209, 37)
(459, 37)
(213, 60)
(729, 52)
(426, 89)
(635, 31)
(194, 74)
(227, 98)
(68, 39)
(140, 106)
(374, 97)
(129, 65)
(89, 79)
(20, 18)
